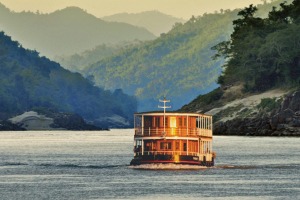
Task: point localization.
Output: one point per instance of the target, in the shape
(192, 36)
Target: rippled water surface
(94, 165)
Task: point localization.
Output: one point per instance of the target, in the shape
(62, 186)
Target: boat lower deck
(176, 159)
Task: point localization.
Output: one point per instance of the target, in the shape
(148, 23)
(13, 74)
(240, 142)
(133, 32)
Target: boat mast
(164, 107)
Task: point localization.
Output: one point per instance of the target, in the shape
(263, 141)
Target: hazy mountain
(67, 31)
(154, 21)
(178, 64)
(79, 61)
(30, 82)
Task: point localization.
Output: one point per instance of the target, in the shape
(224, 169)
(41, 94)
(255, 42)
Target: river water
(94, 165)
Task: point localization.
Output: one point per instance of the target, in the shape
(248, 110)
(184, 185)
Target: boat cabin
(173, 137)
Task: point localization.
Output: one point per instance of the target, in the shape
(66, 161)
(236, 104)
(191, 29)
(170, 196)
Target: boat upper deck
(172, 124)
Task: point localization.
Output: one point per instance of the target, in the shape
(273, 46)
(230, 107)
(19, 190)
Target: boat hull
(174, 159)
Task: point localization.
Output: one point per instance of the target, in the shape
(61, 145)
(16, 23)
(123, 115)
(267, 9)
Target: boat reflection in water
(173, 137)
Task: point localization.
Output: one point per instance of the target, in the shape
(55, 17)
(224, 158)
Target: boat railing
(184, 153)
(169, 132)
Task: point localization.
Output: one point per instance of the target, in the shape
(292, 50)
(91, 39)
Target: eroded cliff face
(282, 118)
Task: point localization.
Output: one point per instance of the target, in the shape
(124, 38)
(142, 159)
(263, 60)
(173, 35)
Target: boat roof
(177, 113)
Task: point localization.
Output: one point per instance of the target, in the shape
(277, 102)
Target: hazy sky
(178, 8)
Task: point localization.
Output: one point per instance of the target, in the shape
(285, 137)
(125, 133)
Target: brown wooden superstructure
(173, 137)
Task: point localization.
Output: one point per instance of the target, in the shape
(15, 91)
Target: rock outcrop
(281, 121)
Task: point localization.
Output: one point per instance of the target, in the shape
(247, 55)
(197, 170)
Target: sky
(177, 8)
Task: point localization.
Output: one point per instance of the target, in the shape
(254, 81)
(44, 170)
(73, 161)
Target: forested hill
(260, 93)
(30, 82)
(67, 31)
(263, 52)
(178, 64)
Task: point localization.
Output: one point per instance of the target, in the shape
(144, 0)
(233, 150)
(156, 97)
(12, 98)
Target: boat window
(192, 121)
(182, 121)
(173, 122)
(177, 145)
(138, 121)
(154, 122)
(184, 146)
(165, 145)
(139, 142)
(147, 121)
(204, 122)
(161, 121)
(148, 145)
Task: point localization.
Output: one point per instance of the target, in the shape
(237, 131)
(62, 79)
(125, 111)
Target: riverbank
(33, 120)
(273, 113)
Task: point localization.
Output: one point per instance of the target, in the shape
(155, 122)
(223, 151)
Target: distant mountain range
(67, 31)
(79, 61)
(154, 21)
(178, 64)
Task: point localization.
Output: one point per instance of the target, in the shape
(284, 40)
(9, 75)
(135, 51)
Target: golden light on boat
(171, 137)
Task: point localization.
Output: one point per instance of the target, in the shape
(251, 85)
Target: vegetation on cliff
(263, 53)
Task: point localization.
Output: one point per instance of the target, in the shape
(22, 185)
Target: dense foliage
(79, 61)
(28, 82)
(176, 65)
(263, 52)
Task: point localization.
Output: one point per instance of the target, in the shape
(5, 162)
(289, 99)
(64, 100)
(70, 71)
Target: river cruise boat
(173, 137)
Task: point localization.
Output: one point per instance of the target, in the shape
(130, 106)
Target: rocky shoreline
(8, 126)
(49, 120)
(282, 121)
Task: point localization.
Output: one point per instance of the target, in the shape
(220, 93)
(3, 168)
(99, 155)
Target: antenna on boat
(164, 107)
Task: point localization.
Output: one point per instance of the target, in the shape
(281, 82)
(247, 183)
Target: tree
(263, 53)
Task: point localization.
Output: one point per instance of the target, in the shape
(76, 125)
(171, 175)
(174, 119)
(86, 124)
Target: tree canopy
(263, 52)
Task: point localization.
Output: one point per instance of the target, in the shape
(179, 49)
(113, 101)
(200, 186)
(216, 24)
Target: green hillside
(67, 31)
(262, 54)
(178, 64)
(79, 61)
(30, 82)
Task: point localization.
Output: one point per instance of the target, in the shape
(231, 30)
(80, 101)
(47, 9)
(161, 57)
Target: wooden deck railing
(168, 153)
(169, 132)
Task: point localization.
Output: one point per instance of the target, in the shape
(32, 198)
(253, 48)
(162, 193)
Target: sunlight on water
(59, 165)
(167, 167)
